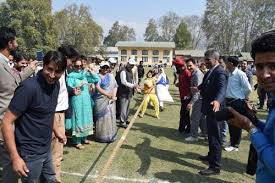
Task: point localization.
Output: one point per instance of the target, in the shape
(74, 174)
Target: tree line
(227, 25)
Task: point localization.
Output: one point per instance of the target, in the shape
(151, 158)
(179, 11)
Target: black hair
(57, 57)
(234, 60)
(7, 34)
(19, 57)
(264, 43)
(68, 51)
(191, 59)
(83, 57)
(150, 71)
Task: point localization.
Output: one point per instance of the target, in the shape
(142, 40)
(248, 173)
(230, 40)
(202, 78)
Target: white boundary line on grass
(116, 178)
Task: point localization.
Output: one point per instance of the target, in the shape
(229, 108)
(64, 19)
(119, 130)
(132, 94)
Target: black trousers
(235, 133)
(214, 140)
(184, 125)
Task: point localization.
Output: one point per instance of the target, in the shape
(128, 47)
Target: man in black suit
(213, 90)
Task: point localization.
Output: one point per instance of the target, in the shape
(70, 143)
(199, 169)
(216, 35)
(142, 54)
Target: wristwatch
(253, 130)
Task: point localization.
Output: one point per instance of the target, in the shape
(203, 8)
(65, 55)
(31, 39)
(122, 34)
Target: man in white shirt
(237, 91)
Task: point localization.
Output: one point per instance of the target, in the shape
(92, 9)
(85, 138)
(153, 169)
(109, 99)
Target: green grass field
(154, 152)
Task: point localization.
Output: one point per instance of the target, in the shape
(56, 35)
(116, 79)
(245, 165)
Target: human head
(141, 62)
(20, 62)
(180, 65)
(211, 57)
(231, 62)
(150, 74)
(54, 65)
(8, 43)
(130, 64)
(70, 53)
(191, 64)
(78, 65)
(84, 61)
(112, 62)
(244, 65)
(104, 67)
(263, 53)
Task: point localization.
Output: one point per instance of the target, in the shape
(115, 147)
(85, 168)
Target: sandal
(87, 142)
(79, 146)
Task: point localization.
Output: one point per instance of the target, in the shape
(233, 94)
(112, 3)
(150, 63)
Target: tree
(33, 22)
(194, 26)
(119, 33)
(168, 24)
(230, 25)
(77, 27)
(183, 37)
(151, 32)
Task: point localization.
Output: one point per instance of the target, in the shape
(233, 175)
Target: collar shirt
(63, 98)
(238, 86)
(5, 58)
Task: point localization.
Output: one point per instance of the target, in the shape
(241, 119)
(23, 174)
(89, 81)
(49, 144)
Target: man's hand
(77, 91)
(239, 120)
(216, 105)
(194, 89)
(20, 167)
(188, 107)
(34, 65)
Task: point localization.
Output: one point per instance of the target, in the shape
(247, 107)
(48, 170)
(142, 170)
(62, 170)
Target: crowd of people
(72, 96)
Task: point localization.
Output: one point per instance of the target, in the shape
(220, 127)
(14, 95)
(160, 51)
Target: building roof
(145, 44)
(192, 53)
(245, 56)
(108, 49)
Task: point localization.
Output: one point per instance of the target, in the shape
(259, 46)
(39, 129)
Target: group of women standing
(95, 102)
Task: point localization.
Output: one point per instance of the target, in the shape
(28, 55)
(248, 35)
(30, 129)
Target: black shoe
(204, 158)
(122, 125)
(210, 171)
(161, 109)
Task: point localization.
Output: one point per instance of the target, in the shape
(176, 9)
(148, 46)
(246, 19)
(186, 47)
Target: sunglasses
(78, 66)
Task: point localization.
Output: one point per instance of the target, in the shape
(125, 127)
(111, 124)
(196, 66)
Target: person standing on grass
(262, 135)
(213, 90)
(237, 91)
(247, 71)
(195, 102)
(9, 81)
(32, 110)
(150, 94)
(82, 112)
(140, 69)
(126, 87)
(184, 82)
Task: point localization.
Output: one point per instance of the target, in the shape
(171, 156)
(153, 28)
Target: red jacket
(185, 84)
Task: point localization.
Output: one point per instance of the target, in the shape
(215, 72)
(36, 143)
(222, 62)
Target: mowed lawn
(154, 152)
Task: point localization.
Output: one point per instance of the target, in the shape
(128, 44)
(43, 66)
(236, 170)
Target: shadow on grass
(228, 164)
(158, 131)
(93, 165)
(145, 152)
(185, 176)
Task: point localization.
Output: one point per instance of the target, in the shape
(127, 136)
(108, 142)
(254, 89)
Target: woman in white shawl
(162, 89)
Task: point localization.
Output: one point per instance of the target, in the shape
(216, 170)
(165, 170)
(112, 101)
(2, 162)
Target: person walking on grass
(195, 102)
(150, 94)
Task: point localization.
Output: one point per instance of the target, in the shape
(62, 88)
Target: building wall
(125, 57)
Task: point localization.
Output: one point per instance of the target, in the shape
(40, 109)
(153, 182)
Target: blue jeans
(40, 168)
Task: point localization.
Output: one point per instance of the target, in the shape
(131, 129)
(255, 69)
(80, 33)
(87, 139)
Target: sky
(134, 13)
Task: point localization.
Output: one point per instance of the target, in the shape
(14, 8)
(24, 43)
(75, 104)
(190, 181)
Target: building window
(144, 52)
(166, 52)
(155, 52)
(134, 52)
(145, 59)
(123, 58)
(155, 59)
(166, 59)
(123, 52)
